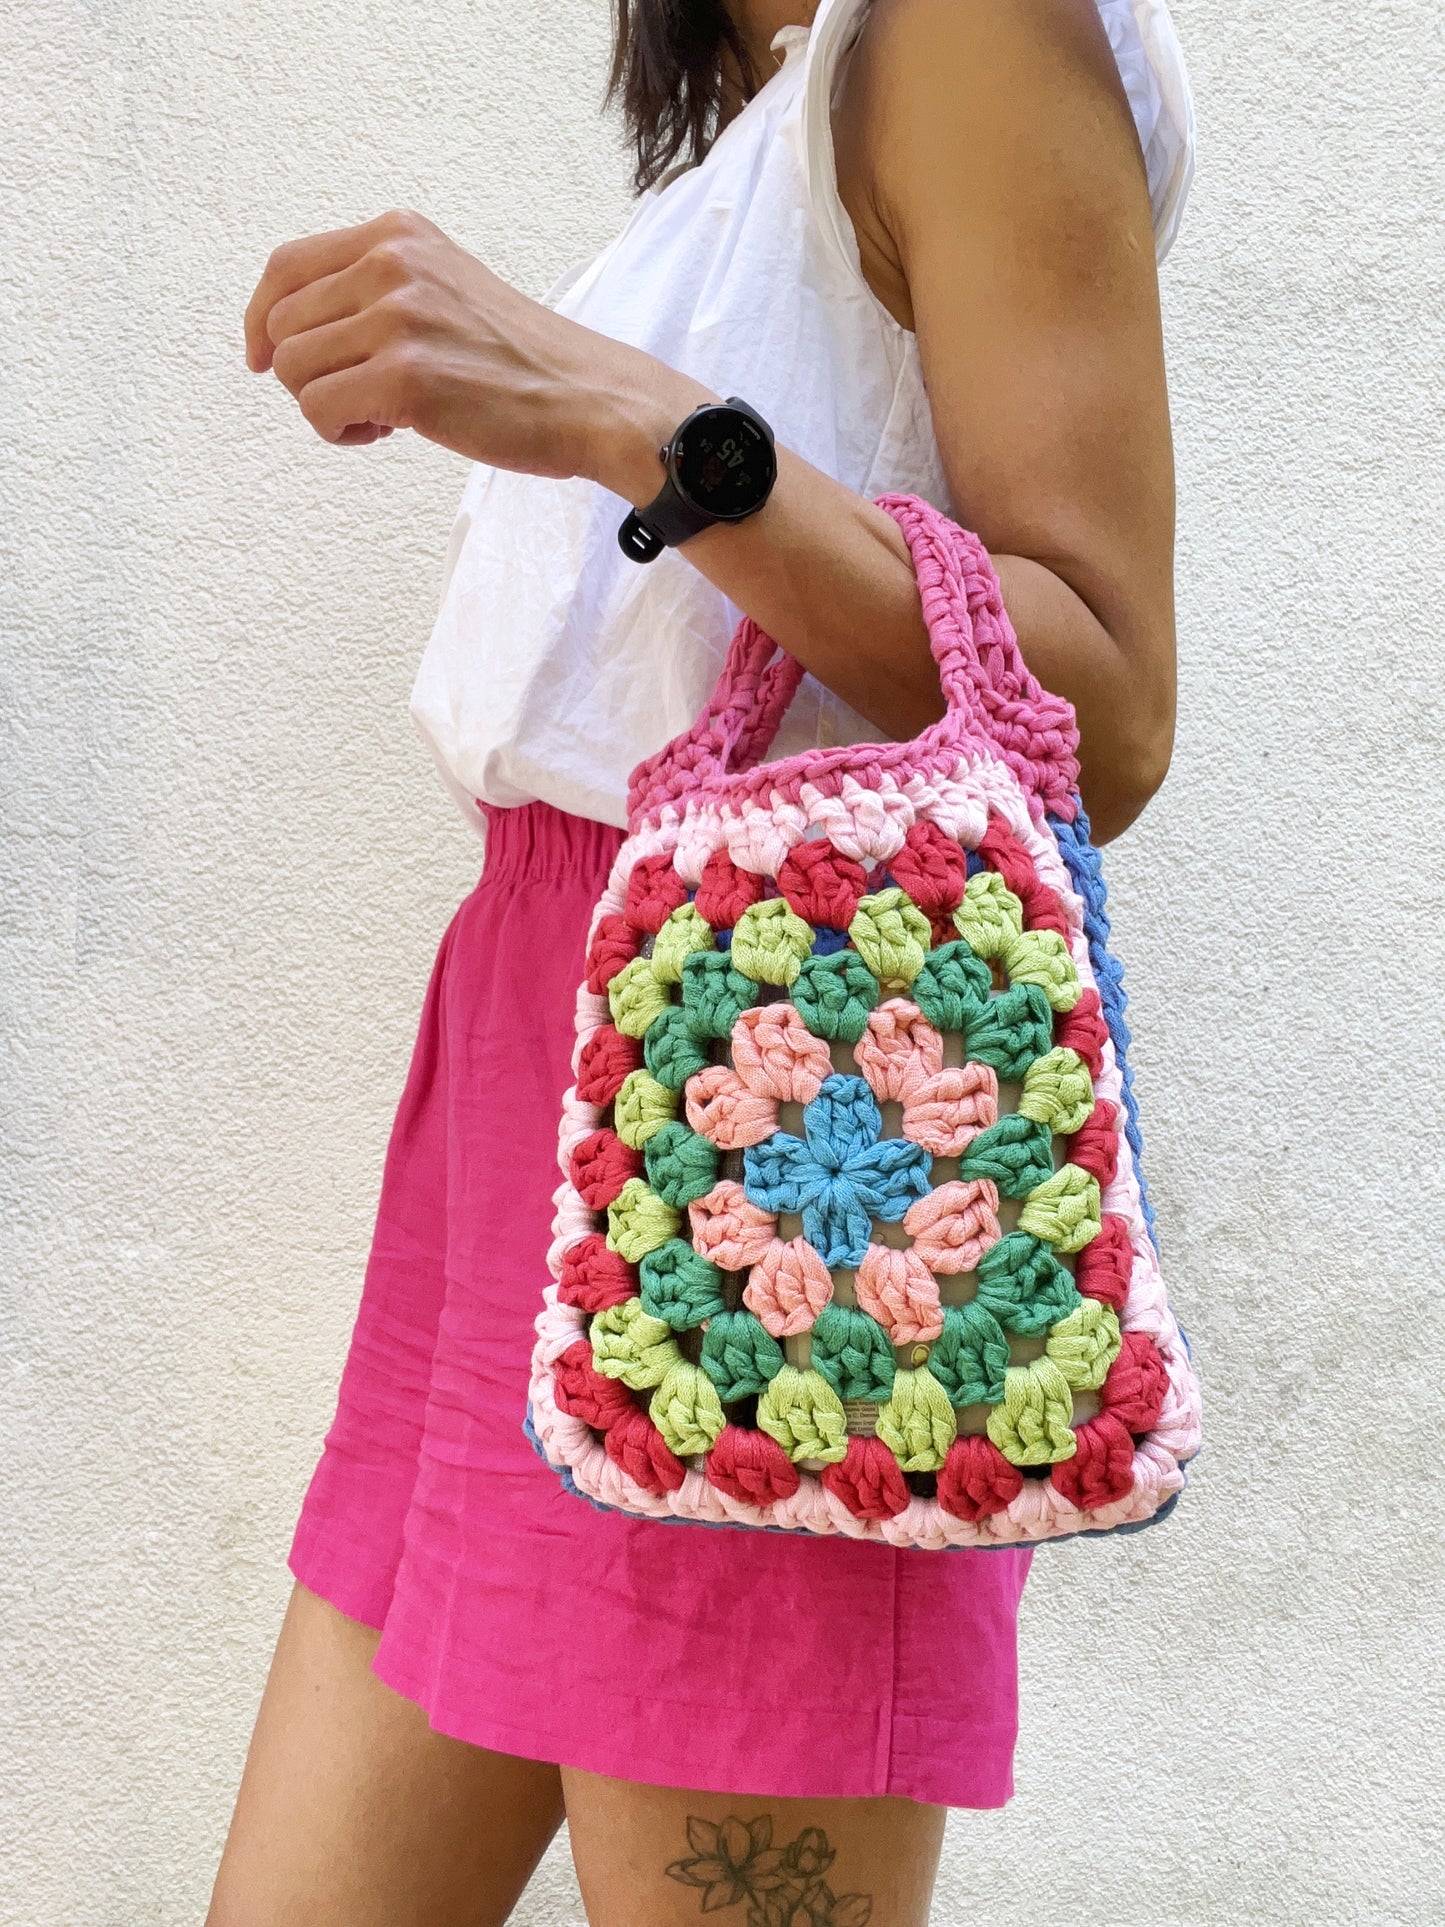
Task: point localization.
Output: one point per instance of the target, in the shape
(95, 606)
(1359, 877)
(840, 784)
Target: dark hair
(672, 61)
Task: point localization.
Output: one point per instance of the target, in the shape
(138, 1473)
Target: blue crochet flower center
(841, 1174)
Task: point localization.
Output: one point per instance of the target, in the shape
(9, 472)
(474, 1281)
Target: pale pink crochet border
(867, 817)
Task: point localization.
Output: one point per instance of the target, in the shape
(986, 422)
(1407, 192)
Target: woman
(922, 247)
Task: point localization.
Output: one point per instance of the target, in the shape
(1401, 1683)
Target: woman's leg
(354, 1813)
(654, 1857)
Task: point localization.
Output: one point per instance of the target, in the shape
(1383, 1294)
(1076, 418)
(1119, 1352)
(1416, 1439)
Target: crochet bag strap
(989, 690)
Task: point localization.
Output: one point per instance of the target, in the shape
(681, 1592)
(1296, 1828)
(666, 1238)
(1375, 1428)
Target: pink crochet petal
(722, 1107)
(777, 1056)
(898, 1289)
(729, 1228)
(957, 804)
(954, 1226)
(898, 1051)
(788, 1287)
(945, 1112)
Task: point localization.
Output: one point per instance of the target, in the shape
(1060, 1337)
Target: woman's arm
(991, 167)
(994, 177)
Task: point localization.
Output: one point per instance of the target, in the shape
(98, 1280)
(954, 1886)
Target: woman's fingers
(348, 405)
(298, 263)
(292, 267)
(301, 358)
(332, 297)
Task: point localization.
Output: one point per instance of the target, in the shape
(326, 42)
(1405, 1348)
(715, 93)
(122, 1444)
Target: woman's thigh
(354, 1813)
(655, 1857)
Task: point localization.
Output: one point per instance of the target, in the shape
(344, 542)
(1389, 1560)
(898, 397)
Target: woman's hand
(391, 325)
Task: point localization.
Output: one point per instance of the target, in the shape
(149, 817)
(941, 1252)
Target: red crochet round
(582, 1392)
(601, 1165)
(1101, 1472)
(1137, 1385)
(613, 945)
(1002, 851)
(976, 1479)
(751, 1467)
(869, 1481)
(1102, 1269)
(635, 1444)
(654, 891)
(1083, 1030)
(822, 884)
(1096, 1148)
(932, 869)
(595, 1277)
(606, 1061)
(1043, 910)
(726, 891)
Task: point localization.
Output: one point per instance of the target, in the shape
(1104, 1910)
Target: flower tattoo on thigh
(783, 1886)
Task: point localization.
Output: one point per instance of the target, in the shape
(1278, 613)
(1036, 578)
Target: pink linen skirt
(515, 1614)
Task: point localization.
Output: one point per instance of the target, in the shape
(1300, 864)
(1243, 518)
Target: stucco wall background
(227, 863)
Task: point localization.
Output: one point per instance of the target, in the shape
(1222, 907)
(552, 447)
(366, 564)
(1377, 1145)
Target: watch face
(725, 463)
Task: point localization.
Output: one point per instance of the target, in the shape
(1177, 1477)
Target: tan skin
(990, 166)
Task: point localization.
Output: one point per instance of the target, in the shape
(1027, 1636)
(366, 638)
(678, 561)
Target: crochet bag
(851, 1236)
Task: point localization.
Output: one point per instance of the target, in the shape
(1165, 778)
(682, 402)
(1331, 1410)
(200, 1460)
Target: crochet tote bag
(851, 1236)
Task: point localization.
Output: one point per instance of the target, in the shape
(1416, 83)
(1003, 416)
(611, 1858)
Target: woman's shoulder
(946, 97)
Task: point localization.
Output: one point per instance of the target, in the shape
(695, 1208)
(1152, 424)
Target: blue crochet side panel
(1086, 873)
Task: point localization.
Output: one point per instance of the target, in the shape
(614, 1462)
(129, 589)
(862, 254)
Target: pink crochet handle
(993, 702)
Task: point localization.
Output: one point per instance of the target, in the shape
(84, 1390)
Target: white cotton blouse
(556, 664)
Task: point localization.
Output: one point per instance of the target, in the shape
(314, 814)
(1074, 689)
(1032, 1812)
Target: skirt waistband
(534, 840)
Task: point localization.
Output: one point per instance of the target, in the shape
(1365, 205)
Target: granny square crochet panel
(851, 1236)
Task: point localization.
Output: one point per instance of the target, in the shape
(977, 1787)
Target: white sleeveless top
(556, 664)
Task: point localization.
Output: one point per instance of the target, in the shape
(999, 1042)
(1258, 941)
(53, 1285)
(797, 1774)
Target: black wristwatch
(721, 465)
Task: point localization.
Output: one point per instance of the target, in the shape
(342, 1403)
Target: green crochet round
(835, 996)
(670, 1049)
(953, 988)
(852, 1352)
(681, 1165)
(1058, 1091)
(1015, 1154)
(971, 1355)
(891, 935)
(1011, 1030)
(682, 936)
(770, 942)
(680, 1286)
(714, 995)
(1024, 1286)
(739, 1356)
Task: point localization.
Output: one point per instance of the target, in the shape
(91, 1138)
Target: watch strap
(668, 519)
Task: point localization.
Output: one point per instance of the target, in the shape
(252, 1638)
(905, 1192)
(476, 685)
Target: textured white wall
(227, 863)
